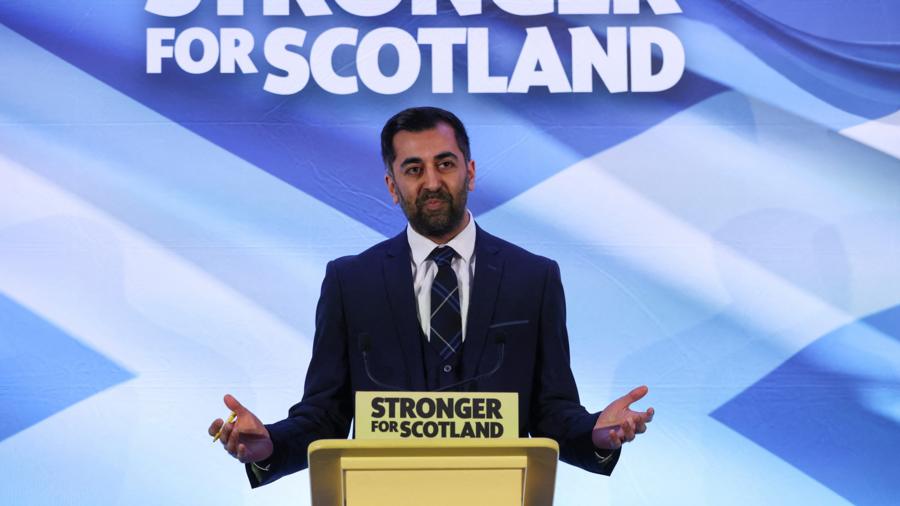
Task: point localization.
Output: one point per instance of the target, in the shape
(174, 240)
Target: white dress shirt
(424, 271)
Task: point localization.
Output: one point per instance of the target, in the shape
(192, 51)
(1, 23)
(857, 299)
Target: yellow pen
(231, 418)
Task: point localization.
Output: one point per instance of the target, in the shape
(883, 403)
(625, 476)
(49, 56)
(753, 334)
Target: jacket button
(448, 368)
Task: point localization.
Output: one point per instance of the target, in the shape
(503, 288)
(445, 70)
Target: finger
(624, 402)
(637, 394)
(650, 413)
(233, 442)
(242, 453)
(640, 428)
(215, 426)
(226, 433)
(615, 440)
(234, 405)
(628, 429)
(601, 424)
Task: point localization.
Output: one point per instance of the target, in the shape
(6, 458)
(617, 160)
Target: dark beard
(439, 222)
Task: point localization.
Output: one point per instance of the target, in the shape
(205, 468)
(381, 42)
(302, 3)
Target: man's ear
(470, 174)
(391, 186)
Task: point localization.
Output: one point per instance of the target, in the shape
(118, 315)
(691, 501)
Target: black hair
(418, 119)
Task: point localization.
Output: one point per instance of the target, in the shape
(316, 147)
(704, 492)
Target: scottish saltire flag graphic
(731, 241)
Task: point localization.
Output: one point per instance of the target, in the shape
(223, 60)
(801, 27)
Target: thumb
(637, 394)
(234, 405)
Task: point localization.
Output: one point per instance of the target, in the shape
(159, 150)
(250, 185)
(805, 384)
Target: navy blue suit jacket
(372, 293)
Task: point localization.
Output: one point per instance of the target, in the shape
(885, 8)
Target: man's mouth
(434, 203)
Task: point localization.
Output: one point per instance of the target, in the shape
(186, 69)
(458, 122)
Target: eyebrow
(445, 154)
(412, 159)
(439, 156)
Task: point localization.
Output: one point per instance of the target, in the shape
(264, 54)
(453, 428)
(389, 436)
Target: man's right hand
(246, 438)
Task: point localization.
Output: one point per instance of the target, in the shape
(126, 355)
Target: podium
(436, 472)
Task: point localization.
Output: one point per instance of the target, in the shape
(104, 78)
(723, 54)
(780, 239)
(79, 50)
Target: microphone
(364, 343)
(500, 340)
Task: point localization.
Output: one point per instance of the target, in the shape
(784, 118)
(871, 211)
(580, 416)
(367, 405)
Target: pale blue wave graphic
(231, 219)
(856, 72)
(45, 370)
(701, 274)
(195, 271)
(861, 378)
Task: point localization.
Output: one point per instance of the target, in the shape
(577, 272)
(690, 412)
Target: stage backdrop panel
(718, 180)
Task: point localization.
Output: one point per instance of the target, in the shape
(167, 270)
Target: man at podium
(444, 305)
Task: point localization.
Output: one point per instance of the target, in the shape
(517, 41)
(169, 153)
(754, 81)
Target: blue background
(731, 242)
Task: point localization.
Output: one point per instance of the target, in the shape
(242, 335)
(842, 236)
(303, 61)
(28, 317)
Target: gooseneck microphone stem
(364, 348)
(372, 378)
(364, 343)
(500, 339)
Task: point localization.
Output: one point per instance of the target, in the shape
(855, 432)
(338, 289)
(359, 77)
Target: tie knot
(442, 255)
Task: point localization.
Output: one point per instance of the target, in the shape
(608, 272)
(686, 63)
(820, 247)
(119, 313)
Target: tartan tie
(446, 326)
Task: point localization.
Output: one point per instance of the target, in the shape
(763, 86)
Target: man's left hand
(618, 424)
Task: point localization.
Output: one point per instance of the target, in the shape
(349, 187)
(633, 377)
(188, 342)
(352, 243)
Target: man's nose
(432, 179)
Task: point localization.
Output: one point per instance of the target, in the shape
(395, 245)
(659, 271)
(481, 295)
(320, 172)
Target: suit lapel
(399, 283)
(483, 297)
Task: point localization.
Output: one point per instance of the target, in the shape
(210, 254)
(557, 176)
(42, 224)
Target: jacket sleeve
(326, 410)
(556, 410)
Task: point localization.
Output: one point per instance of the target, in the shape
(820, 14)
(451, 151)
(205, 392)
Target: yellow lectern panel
(439, 473)
(497, 487)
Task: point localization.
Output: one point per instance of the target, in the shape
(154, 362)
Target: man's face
(430, 179)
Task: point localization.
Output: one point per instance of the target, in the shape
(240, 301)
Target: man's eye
(446, 164)
(413, 171)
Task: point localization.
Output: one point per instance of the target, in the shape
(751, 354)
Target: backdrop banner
(719, 181)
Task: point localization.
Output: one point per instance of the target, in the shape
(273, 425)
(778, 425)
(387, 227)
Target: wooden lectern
(433, 472)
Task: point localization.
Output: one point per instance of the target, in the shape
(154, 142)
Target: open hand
(618, 424)
(246, 438)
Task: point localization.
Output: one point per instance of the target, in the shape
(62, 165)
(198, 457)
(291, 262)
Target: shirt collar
(464, 243)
